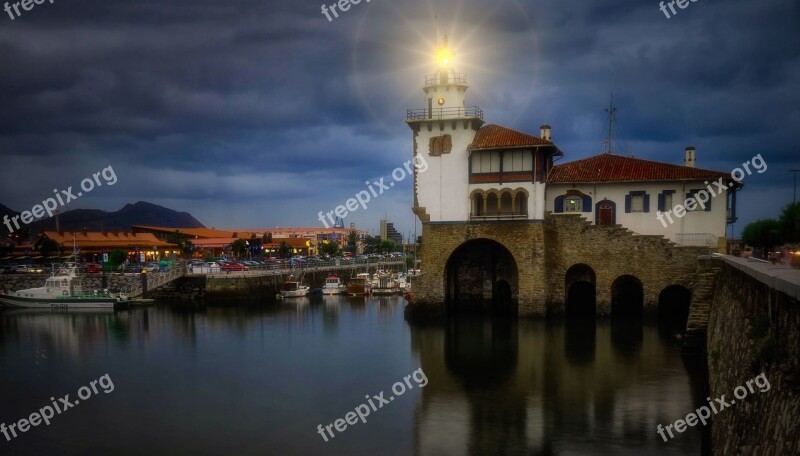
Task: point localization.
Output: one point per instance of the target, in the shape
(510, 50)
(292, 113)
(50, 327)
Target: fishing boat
(333, 285)
(359, 285)
(294, 288)
(63, 290)
(384, 284)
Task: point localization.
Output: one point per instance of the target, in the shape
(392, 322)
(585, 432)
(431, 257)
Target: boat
(294, 289)
(333, 286)
(384, 284)
(359, 285)
(63, 290)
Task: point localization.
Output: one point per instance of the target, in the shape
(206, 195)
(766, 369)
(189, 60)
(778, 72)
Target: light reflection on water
(256, 378)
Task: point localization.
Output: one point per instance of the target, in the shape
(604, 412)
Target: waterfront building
(92, 244)
(505, 229)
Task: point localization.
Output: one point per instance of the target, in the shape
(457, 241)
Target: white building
(642, 195)
(475, 171)
(480, 172)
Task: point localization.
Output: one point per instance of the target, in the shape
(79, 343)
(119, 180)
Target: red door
(605, 214)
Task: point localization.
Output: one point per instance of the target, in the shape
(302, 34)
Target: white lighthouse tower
(442, 132)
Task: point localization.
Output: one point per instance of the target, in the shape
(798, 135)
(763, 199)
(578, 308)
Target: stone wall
(523, 239)
(545, 250)
(754, 329)
(612, 251)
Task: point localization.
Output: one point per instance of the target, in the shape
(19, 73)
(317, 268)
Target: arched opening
(482, 278)
(579, 286)
(522, 203)
(673, 309)
(505, 203)
(477, 204)
(492, 204)
(627, 297)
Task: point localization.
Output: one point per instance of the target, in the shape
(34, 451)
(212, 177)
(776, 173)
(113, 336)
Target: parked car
(230, 266)
(152, 267)
(28, 269)
(91, 268)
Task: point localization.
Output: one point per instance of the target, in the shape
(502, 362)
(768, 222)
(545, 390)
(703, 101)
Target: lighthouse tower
(442, 132)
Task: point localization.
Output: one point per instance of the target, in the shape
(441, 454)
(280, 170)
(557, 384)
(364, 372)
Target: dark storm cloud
(263, 112)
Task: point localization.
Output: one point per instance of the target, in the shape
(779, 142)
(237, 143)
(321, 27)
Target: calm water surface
(245, 378)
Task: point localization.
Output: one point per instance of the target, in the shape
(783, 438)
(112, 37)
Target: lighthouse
(442, 130)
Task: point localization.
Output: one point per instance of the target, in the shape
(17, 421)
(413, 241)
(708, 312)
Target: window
(668, 201)
(637, 203)
(486, 162)
(573, 204)
(517, 161)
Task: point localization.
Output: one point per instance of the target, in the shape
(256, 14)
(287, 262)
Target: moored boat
(63, 290)
(333, 285)
(384, 284)
(359, 285)
(294, 289)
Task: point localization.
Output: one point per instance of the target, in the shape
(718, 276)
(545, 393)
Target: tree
(388, 246)
(239, 247)
(352, 241)
(765, 233)
(329, 248)
(790, 223)
(372, 244)
(48, 246)
(117, 257)
(284, 250)
(182, 241)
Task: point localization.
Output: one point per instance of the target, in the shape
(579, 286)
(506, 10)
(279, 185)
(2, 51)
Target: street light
(795, 171)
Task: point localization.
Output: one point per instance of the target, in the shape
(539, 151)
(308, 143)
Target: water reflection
(228, 370)
(535, 387)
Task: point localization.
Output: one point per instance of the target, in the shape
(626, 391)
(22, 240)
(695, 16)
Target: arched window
(505, 203)
(477, 204)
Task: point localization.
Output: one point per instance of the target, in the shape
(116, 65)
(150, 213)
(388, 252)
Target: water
(257, 379)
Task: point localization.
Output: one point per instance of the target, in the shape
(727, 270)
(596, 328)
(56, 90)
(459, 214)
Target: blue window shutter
(646, 202)
(587, 203)
(627, 204)
(559, 204)
(708, 204)
(661, 202)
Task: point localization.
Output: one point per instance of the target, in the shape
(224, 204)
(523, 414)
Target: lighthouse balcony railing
(445, 77)
(468, 112)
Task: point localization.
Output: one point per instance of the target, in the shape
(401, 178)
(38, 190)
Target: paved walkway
(778, 276)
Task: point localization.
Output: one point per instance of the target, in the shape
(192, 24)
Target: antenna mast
(612, 123)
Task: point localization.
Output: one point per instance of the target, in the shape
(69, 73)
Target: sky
(260, 113)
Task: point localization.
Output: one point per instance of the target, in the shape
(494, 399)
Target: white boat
(63, 290)
(294, 289)
(333, 285)
(384, 284)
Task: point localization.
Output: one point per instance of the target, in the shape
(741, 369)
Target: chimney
(545, 132)
(689, 158)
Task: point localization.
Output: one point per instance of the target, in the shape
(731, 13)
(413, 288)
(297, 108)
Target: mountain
(141, 213)
(4, 210)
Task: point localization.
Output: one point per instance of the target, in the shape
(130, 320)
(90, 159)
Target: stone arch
(477, 273)
(506, 199)
(673, 309)
(627, 297)
(492, 203)
(580, 282)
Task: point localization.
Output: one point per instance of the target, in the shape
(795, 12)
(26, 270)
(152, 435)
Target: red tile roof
(608, 167)
(496, 137)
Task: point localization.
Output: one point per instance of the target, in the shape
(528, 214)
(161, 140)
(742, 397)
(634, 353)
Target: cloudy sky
(260, 113)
